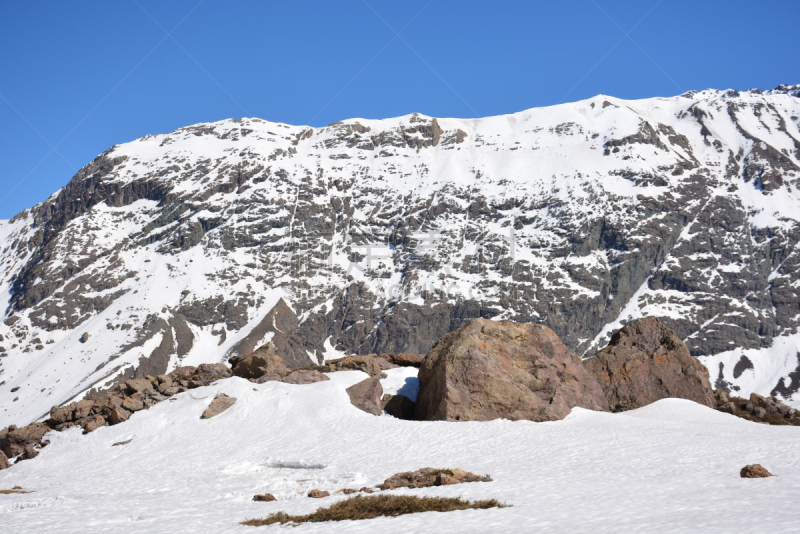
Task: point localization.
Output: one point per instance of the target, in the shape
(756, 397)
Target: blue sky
(79, 77)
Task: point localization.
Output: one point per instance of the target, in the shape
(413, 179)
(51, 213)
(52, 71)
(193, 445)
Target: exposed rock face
(760, 409)
(489, 370)
(366, 395)
(220, 403)
(379, 252)
(644, 362)
(754, 471)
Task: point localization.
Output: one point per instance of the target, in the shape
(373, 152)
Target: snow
(669, 467)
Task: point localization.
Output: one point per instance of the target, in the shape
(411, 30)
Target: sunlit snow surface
(672, 466)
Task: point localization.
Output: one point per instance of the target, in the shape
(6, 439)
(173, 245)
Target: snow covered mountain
(383, 235)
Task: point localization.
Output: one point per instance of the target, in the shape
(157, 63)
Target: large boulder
(366, 395)
(644, 362)
(263, 361)
(489, 370)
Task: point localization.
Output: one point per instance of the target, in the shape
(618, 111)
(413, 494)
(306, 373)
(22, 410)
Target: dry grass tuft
(15, 489)
(361, 507)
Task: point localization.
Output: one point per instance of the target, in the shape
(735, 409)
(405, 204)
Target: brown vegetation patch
(361, 507)
(15, 489)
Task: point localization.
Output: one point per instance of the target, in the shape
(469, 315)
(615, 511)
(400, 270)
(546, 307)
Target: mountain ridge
(382, 235)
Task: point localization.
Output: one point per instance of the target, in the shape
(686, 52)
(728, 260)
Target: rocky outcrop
(754, 471)
(23, 441)
(644, 362)
(757, 408)
(428, 476)
(262, 361)
(220, 403)
(366, 395)
(490, 370)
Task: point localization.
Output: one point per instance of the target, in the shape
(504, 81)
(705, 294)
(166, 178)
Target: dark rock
(754, 471)
(85, 337)
(317, 494)
(4, 463)
(728, 407)
(14, 441)
(644, 362)
(29, 453)
(398, 406)
(220, 403)
(489, 370)
(267, 497)
(402, 359)
(120, 443)
(366, 395)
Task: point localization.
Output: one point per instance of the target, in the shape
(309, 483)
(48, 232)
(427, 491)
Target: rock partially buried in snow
(318, 494)
(85, 337)
(366, 395)
(220, 403)
(428, 477)
(754, 471)
(491, 370)
(267, 497)
(4, 463)
(644, 362)
(304, 376)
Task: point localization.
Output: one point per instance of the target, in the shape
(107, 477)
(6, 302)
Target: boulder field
(483, 371)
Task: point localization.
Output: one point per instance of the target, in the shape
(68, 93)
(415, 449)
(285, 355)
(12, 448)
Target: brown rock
(371, 364)
(267, 497)
(404, 359)
(61, 414)
(84, 338)
(262, 362)
(14, 441)
(428, 476)
(272, 377)
(4, 463)
(139, 385)
(644, 362)
(183, 373)
(366, 490)
(366, 395)
(347, 491)
(91, 424)
(489, 370)
(317, 494)
(82, 409)
(398, 406)
(754, 471)
(118, 415)
(132, 405)
(304, 377)
(220, 403)
(172, 390)
(29, 453)
(210, 372)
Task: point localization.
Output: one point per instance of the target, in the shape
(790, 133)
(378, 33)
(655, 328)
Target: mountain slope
(382, 235)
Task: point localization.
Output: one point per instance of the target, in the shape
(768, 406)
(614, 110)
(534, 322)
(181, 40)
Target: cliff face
(383, 235)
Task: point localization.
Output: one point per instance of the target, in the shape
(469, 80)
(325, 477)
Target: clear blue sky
(79, 77)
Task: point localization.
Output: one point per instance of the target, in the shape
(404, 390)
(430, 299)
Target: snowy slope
(382, 235)
(670, 467)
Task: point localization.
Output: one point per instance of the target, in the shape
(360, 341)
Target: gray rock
(304, 376)
(138, 385)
